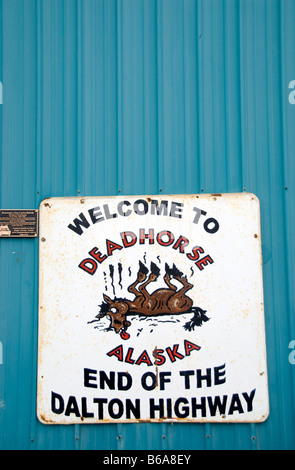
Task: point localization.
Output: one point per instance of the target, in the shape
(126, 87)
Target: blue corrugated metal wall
(100, 97)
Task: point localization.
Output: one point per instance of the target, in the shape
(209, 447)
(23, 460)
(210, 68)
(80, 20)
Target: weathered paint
(112, 97)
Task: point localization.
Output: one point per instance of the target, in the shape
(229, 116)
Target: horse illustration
(163, 301)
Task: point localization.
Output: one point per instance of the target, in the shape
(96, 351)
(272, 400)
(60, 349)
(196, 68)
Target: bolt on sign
(151, 309)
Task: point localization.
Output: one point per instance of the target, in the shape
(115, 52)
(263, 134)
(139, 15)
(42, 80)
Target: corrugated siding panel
(107, 97)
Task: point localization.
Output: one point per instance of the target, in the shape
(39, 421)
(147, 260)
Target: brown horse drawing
(163, 301)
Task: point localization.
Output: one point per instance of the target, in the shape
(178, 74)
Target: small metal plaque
(18, 223)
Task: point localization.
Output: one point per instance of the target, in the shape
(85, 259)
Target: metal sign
(18, 223)
(151, 309)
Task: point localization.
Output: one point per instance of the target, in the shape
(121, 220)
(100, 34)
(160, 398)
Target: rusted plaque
(18, 223)
(151, 309)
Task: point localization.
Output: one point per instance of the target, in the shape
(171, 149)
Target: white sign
(151, 309)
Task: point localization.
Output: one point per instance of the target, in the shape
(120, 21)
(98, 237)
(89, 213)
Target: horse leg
(186, 285)
(169, 284)
(179, 301)
(132, 288)
(178, 275)
(152, 277)
(171, 273)
(141, 276)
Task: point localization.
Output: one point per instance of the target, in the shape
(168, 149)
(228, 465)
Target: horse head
(116, 311)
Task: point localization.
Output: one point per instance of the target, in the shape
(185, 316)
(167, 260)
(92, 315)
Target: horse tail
(197, 320)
